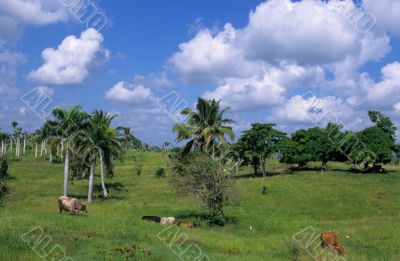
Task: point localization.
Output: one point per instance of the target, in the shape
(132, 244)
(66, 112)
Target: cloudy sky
(295, 63)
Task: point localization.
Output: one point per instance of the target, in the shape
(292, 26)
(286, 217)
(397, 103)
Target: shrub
(209, 180)
(160, 173)
(139, 170)
(3, 168)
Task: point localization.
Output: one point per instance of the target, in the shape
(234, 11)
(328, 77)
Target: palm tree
(14, 124)
(125, 136)
(102, 142)
(3, 138)
(66, 125)
(205, 128)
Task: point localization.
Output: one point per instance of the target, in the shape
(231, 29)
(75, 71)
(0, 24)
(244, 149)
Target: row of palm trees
(74, 136)
(17, 139)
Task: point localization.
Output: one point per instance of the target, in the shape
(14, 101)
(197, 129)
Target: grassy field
(366, 208)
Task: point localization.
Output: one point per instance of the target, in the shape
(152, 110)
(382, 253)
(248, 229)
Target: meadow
(363, 207)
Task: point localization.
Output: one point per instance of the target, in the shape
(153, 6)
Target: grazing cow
(167, 221)
(152, 219)
(70, 204)
(186, 224)
(330, 239)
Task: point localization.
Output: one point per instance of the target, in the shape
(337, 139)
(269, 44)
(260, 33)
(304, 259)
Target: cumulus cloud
(311, 110)
(264, 91)
(128, 93)
(208, 58)
(71, 61)
(386, 13)
(308, 32)
(14, 14)
(386, 92)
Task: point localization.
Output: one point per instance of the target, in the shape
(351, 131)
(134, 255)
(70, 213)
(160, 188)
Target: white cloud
(127, 93)
(71, 61)
(208, 58)
(266, 90)
(386, 92)
(386, 13)
(314, 111)
(153, 80)
(308, 32)
(14, 14)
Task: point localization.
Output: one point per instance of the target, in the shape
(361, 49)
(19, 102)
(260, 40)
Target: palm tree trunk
(24, 146)
(36, 150)
(66, 172)
(90, 193)
(102, 174)
(51, 157)
(16, 148)
(41, 149)
(11, 145)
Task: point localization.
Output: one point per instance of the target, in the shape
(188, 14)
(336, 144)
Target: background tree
(259, 143)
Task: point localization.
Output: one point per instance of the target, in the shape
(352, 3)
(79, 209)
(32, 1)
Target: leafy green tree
(384, 123)
(205, 128)
(374, 147)
(259, 143)
(314, 144)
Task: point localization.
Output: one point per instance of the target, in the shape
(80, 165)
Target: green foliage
(258, 143)
(384, 123)
(160, 173)
(206, 127)
(139, 170)
(3, 176)
(374, 147)
(208, 180)
(3, 168)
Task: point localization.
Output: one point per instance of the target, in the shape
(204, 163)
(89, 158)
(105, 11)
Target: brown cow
(330, 239)
(186, 224)
(70, 204)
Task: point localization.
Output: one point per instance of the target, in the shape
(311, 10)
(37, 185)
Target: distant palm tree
(205, 127)
(125, 136)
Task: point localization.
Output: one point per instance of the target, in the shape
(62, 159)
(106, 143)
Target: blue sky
(270, 61)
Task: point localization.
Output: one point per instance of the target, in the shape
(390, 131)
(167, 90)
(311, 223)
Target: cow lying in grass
(330, 239)
(154, 219)
(162, 220)
(167, 221)
(70, 204)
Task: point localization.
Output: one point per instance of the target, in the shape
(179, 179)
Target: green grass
(364, 207)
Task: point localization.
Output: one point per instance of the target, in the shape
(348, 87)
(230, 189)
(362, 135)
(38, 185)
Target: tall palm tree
(103, 145)
(66, 125)
(205, 128)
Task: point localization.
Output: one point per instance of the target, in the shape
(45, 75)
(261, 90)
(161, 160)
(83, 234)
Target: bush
(3, 176)
(139, 170)
(160, 173)
(209, 180)
(3, 168)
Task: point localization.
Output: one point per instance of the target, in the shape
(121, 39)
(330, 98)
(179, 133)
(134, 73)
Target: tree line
(202, 165)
